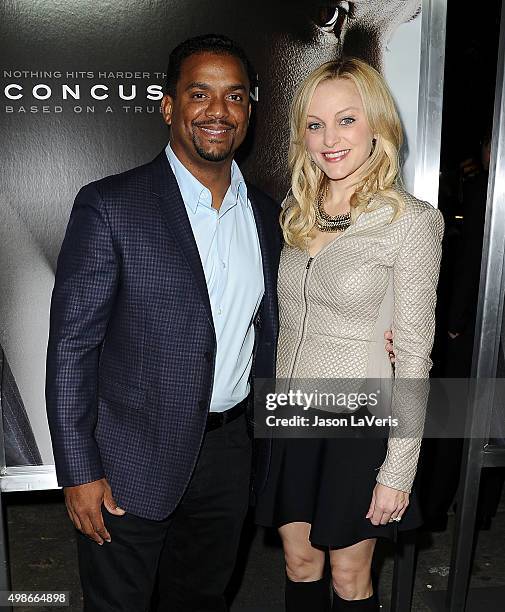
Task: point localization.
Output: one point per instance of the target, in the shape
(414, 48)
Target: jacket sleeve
(415, 278)
(83, 297)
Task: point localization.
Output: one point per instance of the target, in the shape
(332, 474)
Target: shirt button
(219, 310)
(208, 356)
(224, 265)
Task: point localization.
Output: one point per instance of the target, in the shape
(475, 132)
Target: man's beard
(212, 156)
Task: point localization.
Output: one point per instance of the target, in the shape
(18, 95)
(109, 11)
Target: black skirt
(329, 483)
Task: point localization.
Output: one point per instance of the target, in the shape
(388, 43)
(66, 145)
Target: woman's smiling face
(337, 135)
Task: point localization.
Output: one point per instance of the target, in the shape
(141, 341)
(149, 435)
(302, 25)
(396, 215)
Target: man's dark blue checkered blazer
(132, 345)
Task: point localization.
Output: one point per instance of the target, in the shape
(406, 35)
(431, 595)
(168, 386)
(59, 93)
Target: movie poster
(81, 87)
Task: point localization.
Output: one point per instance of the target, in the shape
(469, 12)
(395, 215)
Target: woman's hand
(387, 504)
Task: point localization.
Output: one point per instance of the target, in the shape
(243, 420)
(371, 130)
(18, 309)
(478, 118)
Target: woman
(361, 255)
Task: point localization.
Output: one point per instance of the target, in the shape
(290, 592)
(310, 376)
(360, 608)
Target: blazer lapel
(173, 211)
(267, 254)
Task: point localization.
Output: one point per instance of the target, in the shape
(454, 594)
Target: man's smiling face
(210, 112)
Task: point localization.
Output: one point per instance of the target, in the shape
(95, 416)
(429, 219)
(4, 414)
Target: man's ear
(167, 104)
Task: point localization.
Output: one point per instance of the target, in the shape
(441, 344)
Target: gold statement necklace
(327, 223)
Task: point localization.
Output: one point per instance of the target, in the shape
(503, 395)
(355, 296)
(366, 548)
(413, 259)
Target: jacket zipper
(304, 317)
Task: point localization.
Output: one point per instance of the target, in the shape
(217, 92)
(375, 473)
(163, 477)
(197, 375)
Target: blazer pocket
(133, 397)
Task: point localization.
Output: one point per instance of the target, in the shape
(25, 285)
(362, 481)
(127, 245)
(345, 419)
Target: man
(164, 305)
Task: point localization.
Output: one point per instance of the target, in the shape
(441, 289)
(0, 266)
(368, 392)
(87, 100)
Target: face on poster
(81, 86)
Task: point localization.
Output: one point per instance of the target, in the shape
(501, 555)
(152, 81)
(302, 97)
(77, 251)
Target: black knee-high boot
(305, 596)
(370, 604)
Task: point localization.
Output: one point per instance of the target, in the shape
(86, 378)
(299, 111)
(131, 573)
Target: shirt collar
(194, 193)
(238, 186)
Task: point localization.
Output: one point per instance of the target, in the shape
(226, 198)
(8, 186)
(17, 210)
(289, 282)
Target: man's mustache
(214, 123)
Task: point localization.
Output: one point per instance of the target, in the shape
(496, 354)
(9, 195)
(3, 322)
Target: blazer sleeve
(415, 279)
(83, 297)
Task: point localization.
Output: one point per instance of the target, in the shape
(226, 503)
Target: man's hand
(388, 337)
(387, 504)
(84, 504)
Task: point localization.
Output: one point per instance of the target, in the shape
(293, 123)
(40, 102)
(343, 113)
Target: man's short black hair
(208, 43)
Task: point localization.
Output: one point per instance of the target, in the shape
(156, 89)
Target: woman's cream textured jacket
(335, 307)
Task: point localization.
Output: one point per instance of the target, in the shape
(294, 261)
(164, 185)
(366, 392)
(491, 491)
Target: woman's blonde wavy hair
(377, 176)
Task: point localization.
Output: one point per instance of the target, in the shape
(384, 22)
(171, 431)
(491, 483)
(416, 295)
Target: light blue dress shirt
(229, 249)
